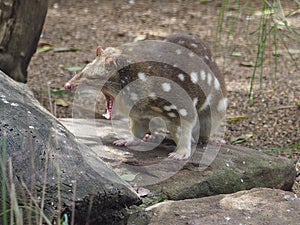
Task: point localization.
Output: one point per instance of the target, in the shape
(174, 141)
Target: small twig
(50, 99)
(73, 203)
(284, 107)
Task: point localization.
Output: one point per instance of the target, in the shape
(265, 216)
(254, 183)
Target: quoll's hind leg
(183, 139)
(207, 127)
(139, 129)
(204, 126)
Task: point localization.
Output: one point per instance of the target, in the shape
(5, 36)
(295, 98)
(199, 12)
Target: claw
(176, 156)
(153, 138)
(149, 138)
(126, 143)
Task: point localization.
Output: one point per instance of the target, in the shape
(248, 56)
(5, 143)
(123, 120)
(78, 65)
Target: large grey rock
(257, 206)
(46, 159)
(233, 169)
(211, 171)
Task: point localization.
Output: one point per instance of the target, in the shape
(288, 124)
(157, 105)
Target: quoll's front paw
(126, 142)
(153, 138)
(178, 156)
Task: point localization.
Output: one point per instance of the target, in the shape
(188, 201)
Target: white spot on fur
(167, 108)
(202, 75)
(171, 114)
(178, 51)
(206, 57)
(142, 76)
(156, 109)
(212, 59)
(216, 84)
(209, 78)
(194, 45)
(133, 96)
(222, 105)
(206, 103)
(195, 101)
(194, 77)
(166, 87)
(173, 107)
(183, 112)
(181, 77)
(152, 95)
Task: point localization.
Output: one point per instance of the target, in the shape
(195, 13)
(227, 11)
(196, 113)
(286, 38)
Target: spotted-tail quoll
(176, 80)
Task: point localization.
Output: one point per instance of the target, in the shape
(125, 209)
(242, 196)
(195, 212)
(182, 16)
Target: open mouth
(109, 105)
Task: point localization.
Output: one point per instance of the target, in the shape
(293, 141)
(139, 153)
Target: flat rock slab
(50, 168)
(256, 206)
(212, 170)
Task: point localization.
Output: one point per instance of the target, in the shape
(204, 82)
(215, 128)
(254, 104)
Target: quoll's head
(96, 73)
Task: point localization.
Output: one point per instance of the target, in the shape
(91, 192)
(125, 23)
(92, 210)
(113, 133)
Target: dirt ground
(271, 123)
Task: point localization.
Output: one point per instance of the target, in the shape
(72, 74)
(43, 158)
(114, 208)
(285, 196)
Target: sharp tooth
(106, 115)
(109, 105)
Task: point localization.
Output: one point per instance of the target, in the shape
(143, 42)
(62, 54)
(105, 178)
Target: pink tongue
(109, 105)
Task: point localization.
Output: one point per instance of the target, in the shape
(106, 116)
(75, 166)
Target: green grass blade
(220, 23)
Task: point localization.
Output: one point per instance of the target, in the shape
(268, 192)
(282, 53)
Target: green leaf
(290, 51)
(205, 1)
(129, 177)
(61, 102)
(65, 49)
(266, 12)
(293, 51)
(241, 138)
(237, 54)
(238, 118)
(44, 48)
(141, 37)
(247, 64)
(75, 68)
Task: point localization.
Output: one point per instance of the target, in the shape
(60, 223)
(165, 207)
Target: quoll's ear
(110, 63)
(99, 51)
